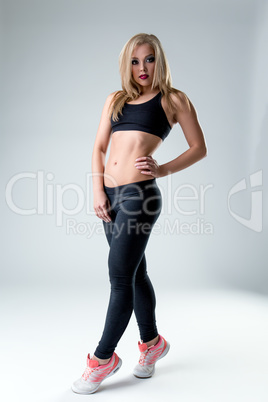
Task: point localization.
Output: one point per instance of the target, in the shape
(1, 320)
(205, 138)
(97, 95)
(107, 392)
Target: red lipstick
(144, 76)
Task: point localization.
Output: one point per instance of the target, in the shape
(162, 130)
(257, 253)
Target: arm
(101, 202)
(186, 116)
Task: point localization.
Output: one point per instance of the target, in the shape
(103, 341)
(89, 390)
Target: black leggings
(135, 208)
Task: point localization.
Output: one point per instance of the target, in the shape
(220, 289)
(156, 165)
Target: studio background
(59, 61)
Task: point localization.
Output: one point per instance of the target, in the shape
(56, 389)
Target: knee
(119, 282)
(120, 273)
(118, 278)
(141, 278)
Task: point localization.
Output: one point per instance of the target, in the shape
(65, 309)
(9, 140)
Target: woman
(137, 119)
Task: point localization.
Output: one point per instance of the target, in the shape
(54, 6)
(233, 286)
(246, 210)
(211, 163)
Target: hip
(141, 197)
(115, 176)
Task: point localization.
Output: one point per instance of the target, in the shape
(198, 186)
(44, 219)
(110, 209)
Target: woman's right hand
(102, 206)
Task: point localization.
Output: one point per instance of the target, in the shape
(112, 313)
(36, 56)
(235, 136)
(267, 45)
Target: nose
(143, 66)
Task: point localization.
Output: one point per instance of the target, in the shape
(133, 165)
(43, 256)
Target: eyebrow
(145, 56)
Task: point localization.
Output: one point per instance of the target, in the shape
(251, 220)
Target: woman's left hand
(148, 166)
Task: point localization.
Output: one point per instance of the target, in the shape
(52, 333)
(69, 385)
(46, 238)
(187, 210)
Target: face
(143, 64)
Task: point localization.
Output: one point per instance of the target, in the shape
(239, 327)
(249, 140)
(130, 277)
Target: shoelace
(87, 372)
(143, 356)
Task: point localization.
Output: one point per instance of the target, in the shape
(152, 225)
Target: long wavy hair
(131, 90)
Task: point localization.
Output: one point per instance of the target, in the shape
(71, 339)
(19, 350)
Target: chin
(145, 84)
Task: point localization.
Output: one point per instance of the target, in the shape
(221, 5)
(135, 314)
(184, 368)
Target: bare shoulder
(177, 105)
(181, 101)
(111, 98)
(111, 95)
(114, 94)
(108, 103)
(184, 109)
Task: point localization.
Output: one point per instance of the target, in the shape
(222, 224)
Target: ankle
(153, 342)
(101, 361)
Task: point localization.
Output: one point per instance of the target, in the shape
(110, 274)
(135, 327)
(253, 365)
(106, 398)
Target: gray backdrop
(59, 61)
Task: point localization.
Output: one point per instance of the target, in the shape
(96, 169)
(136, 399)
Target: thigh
(130, 233)
(109, 227)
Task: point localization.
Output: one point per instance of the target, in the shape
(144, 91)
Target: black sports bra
(149, 117)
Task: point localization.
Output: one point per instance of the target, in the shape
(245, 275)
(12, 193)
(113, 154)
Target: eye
(134, 62)
(150, 59)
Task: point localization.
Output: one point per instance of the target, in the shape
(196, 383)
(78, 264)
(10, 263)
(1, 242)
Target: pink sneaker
(149, 356)
(94, 375)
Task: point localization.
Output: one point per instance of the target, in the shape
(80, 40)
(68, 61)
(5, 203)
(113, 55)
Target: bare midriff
(125, 148)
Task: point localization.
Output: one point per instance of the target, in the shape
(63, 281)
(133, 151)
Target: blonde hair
(130, 88)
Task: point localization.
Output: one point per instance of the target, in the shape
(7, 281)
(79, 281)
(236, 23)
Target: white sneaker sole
(85, 392)
(141, 375)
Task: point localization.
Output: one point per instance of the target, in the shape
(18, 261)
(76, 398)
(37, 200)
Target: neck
(149, 91)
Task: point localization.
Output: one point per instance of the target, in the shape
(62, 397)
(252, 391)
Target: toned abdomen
(126, 147)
